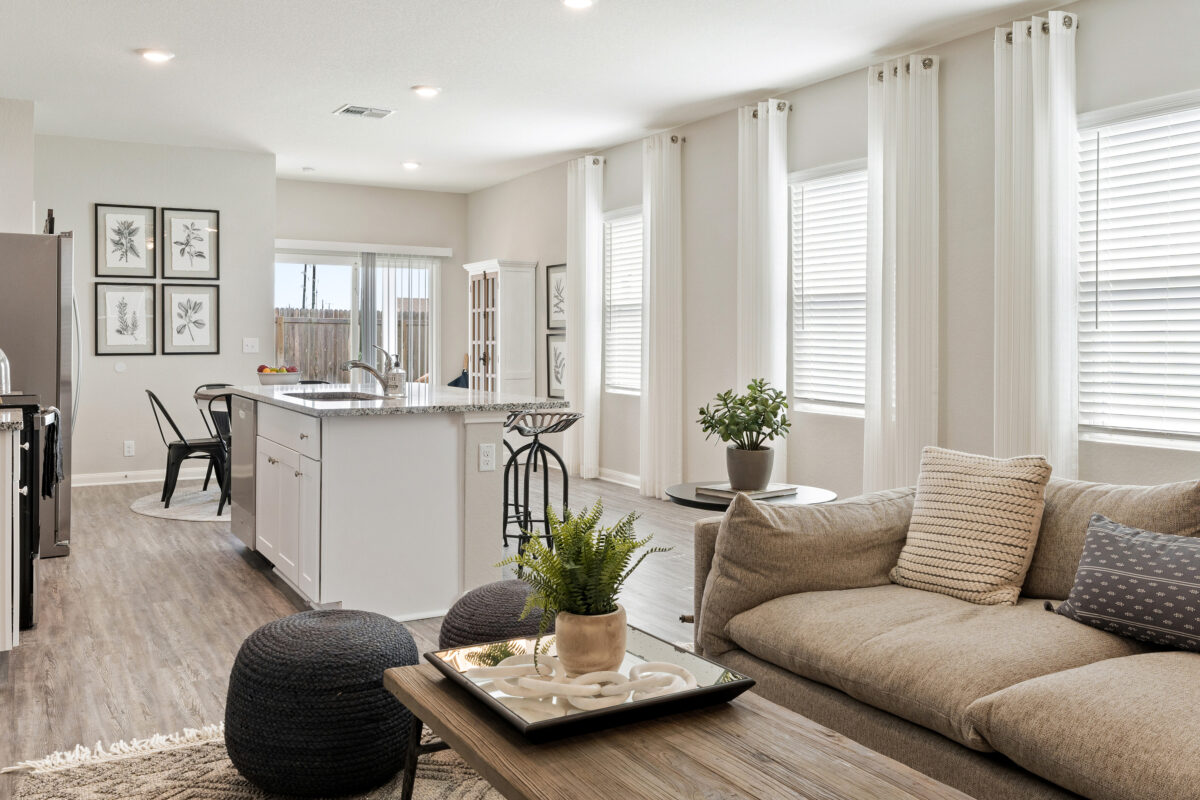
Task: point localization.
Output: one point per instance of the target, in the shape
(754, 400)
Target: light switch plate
(129, 448)
(487, 457)
(250, 344)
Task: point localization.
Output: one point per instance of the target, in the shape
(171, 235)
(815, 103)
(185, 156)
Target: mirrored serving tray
(540, 719)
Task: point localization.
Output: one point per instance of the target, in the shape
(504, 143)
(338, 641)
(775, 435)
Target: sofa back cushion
(974, 525)
(764, 551)
(1169, 508)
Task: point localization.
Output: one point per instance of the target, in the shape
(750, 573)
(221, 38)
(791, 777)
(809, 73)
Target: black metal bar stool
(517, 508)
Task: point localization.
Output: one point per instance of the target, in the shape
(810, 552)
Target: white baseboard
(133, 476)
(622, 478)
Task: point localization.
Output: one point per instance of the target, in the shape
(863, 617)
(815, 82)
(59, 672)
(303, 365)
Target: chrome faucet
(394, 383)
(349, 365)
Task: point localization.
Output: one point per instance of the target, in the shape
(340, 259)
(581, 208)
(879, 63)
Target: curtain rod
(926, 63)
(1068, 23)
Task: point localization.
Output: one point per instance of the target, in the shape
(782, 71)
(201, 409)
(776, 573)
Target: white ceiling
(527, 82)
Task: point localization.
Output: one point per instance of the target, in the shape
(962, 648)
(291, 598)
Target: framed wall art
(125, 241)
(556, 296)
(191, 244)
(191, 318)
(124, 319)
(556, 365)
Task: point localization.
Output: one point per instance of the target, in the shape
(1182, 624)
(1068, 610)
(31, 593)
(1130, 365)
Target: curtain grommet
(927, 63)
(1068, 23)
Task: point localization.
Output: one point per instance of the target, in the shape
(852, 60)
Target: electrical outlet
(128, 447)
(250, 344)
(487, 457)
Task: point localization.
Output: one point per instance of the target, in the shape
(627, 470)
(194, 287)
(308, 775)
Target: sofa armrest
(764, 551)
(704, 544)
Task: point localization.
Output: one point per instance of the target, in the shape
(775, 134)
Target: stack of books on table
(725, 492)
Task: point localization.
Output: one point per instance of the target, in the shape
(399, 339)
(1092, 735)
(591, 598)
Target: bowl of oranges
(278, 376)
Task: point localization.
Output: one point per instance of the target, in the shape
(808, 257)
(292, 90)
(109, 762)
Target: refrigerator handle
(77, 357)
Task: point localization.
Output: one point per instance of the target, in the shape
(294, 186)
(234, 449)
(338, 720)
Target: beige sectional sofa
(1002, 702)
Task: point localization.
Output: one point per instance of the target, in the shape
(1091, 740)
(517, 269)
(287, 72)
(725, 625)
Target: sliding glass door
(330, 309)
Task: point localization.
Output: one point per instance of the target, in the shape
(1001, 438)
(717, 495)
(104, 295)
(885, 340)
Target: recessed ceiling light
(427, 91)
(411, 164)
(578, 3)
(308, 169)
(156, 56)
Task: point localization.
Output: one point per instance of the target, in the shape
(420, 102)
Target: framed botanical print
(124, 319)
(191, 318)
(125, 241)
(556, 365)
(556, 296)
(191, 244)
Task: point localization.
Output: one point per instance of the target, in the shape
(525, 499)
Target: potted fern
(576, 581)
(746, 422)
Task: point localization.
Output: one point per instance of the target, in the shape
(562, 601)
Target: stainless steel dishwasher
(245, 447)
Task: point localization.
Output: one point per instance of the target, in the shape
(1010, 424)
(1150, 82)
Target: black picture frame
(101, 241)
(168, 317)
(559, 393)
(556, 273)
(211, 230)
(100, 343)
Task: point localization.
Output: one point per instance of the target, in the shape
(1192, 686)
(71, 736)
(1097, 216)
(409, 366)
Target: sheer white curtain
(762, 266)
(585, 311)
(661, 409)
(1036, 409)
(901, 414)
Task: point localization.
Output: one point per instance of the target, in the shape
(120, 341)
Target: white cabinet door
(309, 572)
(266, 500)
(287, 545)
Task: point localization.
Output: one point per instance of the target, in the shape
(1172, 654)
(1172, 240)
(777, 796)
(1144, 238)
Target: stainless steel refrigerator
(39, 332)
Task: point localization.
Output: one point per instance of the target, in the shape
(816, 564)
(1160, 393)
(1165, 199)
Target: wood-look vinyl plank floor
(139, 626)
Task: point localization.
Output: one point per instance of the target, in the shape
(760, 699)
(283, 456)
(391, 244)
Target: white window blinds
(1139, 275)
(829, 289)
(623, 303)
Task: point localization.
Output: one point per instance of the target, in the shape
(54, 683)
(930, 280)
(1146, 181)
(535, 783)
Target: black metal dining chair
(183, 449)
(224, 433)
(210, 421)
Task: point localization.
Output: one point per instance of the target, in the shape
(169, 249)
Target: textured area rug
(193, 764)
(191, 505)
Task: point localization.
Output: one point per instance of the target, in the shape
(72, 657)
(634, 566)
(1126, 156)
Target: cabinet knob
(304, 436)
(25, 446)
(299, 473)
(272, 460)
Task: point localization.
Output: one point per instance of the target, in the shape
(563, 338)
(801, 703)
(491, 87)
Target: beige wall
(376, 215)
(16, 166)
(1124, 54)
(73, 174)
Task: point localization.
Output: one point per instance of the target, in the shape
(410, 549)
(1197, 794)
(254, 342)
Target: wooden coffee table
(749, 748)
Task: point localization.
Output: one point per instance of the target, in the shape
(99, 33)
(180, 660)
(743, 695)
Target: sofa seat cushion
(1119, 729)
(922, 656)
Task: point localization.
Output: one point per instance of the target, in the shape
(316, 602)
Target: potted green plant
(746, 422)
(575, 583)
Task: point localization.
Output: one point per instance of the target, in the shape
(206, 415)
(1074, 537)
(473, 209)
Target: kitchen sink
(333, 397)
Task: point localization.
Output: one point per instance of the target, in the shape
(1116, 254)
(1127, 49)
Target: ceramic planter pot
(749, 470)
(590, 643)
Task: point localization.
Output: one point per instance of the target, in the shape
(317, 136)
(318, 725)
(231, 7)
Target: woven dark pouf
(307, 713)
(489, 614)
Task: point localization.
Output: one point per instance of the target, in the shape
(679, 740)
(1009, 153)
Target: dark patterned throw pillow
(1138, 584)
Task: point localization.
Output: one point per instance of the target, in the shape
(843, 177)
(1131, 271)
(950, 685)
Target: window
(321, 301)
(829, 288)
(623, 302)
(1139, 275)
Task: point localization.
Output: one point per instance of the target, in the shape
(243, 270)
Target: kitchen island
(364, 501)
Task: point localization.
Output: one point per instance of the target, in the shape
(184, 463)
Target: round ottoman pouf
(307, 713)
(489, 614)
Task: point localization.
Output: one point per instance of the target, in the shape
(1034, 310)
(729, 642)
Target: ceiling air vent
(367, 112)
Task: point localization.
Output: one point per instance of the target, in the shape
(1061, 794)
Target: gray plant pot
(749, 470)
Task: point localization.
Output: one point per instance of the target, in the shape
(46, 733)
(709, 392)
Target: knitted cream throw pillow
(974, 525)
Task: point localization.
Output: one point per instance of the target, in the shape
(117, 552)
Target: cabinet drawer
(300, 432)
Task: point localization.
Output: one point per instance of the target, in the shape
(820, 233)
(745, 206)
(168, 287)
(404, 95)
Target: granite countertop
(11, 421)
(422, 399)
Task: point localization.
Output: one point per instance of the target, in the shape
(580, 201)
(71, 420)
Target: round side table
(685, 495)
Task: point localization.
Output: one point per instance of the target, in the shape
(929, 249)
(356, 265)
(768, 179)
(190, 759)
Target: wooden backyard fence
(318, 341)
